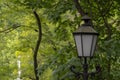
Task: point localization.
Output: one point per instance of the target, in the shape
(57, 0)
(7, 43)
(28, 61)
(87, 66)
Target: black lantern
(85, 38)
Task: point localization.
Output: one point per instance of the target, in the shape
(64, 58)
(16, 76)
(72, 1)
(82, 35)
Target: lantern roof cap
(86, 17)
(85, 30)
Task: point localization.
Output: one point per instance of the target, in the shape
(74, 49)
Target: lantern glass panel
(93, 44)
(85, 44)
(78, 44)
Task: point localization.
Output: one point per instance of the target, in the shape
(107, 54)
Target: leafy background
(57, 52)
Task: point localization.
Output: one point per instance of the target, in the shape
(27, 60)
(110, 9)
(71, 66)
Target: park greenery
(39, 33)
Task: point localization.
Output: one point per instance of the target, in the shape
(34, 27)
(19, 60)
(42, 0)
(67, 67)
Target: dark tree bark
(79, 8)
(81, 11)
(37, 44)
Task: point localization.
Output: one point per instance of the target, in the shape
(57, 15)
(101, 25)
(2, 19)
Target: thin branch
(9, 29)
(108, 7)
(79, 8)
(108, 27)
(37, 44)
(103, 15)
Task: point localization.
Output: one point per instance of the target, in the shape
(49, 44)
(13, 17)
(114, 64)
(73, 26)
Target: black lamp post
(85, 39)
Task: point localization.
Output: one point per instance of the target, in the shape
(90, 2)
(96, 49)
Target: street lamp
(85, 39)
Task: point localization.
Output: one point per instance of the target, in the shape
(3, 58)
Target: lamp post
(85, 39)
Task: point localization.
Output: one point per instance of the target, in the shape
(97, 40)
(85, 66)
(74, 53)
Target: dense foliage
(22, 20)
